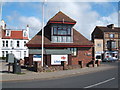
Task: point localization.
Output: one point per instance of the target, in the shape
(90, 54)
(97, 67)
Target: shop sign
(37, 57)
(56, 59)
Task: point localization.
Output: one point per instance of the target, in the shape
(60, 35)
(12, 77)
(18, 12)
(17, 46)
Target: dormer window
(8, 32)
(24, 34)
(62, 33)
(62, 30)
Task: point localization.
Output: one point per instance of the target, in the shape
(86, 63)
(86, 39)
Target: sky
(87, 14)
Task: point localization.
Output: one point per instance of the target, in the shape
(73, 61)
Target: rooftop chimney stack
(3, 24)
(111, 26)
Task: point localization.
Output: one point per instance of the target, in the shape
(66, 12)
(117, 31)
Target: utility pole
(43, 33)
(1, 11)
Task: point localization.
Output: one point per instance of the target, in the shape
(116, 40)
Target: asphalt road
(101, 79)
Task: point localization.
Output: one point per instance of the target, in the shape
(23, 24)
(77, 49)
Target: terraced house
(61, 43)
(107, 42)
(13, 41)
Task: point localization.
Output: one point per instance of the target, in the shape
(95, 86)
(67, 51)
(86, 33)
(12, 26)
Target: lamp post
(43, 32)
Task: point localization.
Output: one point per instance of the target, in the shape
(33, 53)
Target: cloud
(33, 22)
(82, 12)
(22, 21)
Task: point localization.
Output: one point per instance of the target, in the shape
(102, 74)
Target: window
(113, 44)
(7, 32)
(3, 54)
(11, 43)
(6, 53)
(6, 43)
(62, 30)
(111, 35)
(24, 34)
(24, 42)
(61, 39)
(3, 43)
(74, 51)
(62, 33)
(99, 45)
(24, 53)
(18, 43)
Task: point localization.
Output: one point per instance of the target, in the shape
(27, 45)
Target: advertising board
(56, 59)
(37, 57)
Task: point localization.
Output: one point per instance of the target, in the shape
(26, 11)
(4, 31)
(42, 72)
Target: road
(101, 79)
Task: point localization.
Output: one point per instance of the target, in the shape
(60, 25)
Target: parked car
(110, 59)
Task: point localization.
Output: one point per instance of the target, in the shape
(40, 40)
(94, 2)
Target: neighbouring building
(13, 41)
(61, 43)
(106, 41)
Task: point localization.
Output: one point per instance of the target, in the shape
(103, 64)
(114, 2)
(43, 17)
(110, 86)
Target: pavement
(30, 75)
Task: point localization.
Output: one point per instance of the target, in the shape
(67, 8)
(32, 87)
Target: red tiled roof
(60, 17)
(14, 35)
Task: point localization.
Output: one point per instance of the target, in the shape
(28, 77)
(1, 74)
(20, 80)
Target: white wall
(14, 48)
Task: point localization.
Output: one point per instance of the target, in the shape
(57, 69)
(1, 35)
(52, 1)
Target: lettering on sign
(56, 59)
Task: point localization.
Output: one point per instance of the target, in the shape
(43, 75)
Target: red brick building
(61, 43)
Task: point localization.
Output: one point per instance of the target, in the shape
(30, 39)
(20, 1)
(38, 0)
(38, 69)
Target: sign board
(10, 58)
(56, 59)
(37, 57)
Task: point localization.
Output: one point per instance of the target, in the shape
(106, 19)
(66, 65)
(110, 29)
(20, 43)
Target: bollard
(64, 64)
(93, 63)
(81, 63)
(98, 62)
(37, 66)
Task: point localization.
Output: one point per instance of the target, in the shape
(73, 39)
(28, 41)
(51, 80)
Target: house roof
(106, 29)
(60, 17)
(78, 41)
(15, 34)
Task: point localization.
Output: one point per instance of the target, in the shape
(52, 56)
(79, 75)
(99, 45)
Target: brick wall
(82, 55)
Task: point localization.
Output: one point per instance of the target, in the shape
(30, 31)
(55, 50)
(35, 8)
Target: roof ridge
(58, 18)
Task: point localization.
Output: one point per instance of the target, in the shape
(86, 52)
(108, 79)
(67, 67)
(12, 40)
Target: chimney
(111, 26)
(3, 25)
(27, 31)
(27, 28)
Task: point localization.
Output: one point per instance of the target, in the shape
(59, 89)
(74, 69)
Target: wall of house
(84, 54)
(19, 52)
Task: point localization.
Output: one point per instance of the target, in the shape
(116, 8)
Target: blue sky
(87, 14)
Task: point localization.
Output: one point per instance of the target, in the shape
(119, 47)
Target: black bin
(16, 67)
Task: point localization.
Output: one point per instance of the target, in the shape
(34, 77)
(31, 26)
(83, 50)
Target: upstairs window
(3, 43)
(24, 34)
(6, 43)
(62, 30)
(8, 32)
(62, 34)
(18, 44)
(111, 35)
(24, 42)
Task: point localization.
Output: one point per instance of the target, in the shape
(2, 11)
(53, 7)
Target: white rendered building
(13, 41)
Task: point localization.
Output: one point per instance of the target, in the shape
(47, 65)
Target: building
(13, 41)
(61, 43)
(106, 39)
